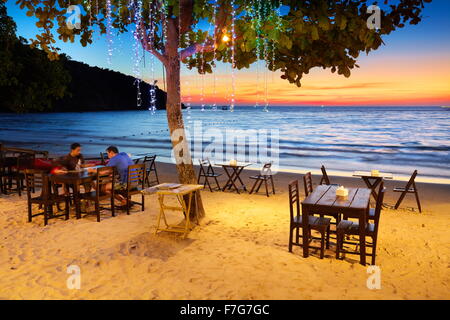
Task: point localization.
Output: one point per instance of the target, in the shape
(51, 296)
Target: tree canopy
(29, 81)
(296, 35)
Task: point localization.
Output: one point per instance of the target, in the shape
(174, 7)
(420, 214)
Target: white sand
(238, 252)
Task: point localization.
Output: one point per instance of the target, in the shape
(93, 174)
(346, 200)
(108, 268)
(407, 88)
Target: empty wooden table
(323, 200)
(372, 181)
(233, 173)
(179, 192)
(75, 179)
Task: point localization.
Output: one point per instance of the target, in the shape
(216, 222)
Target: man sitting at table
(120, 161)
(74, 160)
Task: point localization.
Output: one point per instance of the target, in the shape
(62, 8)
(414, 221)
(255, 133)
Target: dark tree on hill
(29, 81)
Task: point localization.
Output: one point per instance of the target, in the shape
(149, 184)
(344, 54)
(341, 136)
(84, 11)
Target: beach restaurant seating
(264, 176)
(299, 221)
(15, 173)
(150, 166)
(351, 228)
(135, 185)
(38, 180)
(207, 172)
(104, 176)
(409, 188)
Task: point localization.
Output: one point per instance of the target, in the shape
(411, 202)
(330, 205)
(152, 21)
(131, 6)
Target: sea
(397, 140)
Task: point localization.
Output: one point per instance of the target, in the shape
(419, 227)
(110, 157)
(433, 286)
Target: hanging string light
(214, 105)
(202, 63)
(109, 29)
(152, 61)
(233, 62)
(136, 46)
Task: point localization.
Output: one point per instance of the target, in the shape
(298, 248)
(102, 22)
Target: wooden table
(233, 173)
(323, 200)
(74, 179)
(372, 182)
(180, 192)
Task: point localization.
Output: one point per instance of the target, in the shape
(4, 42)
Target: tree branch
(148, 45)
(195, 48)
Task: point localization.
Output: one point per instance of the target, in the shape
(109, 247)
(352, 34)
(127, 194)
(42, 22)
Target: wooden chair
(266, 174)
(409, 188)
(104, 157)
(351, 228)
(325, 179)
(16, 176)
(372, 211)
(298, 221)
(207, 173)
(307, 181)
(150, 166)
(37, 179)
(104, 176)
(135, 185)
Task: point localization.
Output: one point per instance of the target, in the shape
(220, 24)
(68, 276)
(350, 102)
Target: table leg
(76, 199)
(305, 236)
(238, 174)
(362, 237)
(228, 181)
(373, 186)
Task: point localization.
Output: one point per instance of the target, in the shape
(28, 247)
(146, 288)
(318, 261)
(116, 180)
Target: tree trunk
(185, 167)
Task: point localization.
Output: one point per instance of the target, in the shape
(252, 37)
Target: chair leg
(97, 210)
(113, 212)
(374, 250)
(297, 234)
(418, 201)
(143, 203)
(328, 238)
(45, 214)
(217, 183)
(128, 203)
(338, 244)
(290, 238)
(322, 244)
(156, 174)
(267, 189)
(66, 208)
(273, 185)
(254, 185)
(402, 196)
(29, 212)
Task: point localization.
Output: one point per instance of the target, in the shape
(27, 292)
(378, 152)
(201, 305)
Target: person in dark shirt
(74, 159)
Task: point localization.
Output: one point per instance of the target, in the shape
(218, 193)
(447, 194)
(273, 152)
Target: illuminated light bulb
(225, 38)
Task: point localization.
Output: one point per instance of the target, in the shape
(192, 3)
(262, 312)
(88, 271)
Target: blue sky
(418, 47)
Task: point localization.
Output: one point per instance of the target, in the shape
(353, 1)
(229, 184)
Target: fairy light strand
(233, 62)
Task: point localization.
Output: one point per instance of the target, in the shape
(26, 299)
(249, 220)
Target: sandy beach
(239, 251)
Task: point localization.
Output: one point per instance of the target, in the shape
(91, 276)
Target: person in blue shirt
(120, 161)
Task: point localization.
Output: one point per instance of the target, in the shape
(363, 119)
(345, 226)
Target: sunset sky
(413, 68)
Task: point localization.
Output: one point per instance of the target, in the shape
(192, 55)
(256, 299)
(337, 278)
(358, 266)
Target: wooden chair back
(37, 179)
(307, 180)
(325, 179)
(105, 175)
(104, 157)
(149, 162)
(136, 176)
(205, 163)
(267, 169)
(294, 200)
(25, 161)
